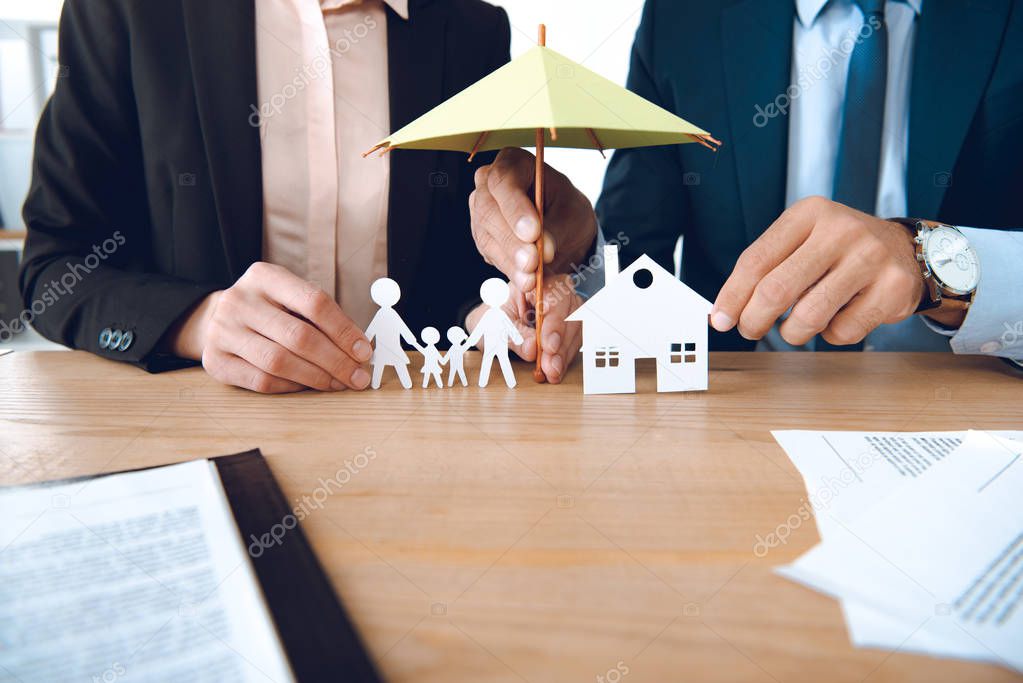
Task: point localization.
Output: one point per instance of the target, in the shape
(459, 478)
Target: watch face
(952, 260)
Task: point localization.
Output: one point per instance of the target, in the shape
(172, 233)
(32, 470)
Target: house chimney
(610, 263)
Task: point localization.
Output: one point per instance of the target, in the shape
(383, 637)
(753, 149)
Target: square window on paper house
(607, 357)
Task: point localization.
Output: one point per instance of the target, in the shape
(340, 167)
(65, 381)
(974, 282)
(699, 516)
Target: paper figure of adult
(388, 329)
(496, 329)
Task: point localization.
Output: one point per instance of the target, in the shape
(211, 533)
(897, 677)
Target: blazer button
(104, 338)
(115, 339)
(126, 341)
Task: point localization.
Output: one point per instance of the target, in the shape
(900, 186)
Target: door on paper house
(682, 363)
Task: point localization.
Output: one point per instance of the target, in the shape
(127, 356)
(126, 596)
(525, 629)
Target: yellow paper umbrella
(543, 99)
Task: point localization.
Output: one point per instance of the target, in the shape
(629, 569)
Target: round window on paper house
(643, 278)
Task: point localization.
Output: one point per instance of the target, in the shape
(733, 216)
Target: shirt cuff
(994, 321)
(943, 330)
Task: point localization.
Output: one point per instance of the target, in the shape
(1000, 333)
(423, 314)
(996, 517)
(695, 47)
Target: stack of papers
(922, 538)
(138, 574)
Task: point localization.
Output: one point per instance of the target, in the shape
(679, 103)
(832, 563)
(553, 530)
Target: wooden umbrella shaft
(538, 374)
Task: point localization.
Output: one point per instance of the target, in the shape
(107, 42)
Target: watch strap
(913, 223)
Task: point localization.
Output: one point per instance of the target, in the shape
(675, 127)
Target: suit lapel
(955, 50)
(222, 49)
(757, 37)
(415, 54)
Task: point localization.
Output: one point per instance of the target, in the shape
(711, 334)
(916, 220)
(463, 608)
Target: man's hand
(841, 272)
(273, 332)
(505, 224)
(561, 340)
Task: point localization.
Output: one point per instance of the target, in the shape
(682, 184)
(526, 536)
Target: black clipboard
(318, 636)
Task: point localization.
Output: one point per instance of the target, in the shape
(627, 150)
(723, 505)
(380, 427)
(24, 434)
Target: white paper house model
(643, 312)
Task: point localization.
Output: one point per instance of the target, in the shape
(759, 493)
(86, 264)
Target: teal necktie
(859, 149)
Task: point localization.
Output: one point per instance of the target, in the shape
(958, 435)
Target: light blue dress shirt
(823, 38)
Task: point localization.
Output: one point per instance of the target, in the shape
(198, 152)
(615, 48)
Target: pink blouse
(323, 96)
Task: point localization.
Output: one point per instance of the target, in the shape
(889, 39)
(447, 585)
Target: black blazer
(145, 146)
(714, 63)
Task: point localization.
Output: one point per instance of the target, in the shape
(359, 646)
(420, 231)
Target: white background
(30, 10)
(596, 33)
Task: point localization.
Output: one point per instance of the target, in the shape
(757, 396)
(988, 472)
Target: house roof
(665, 286)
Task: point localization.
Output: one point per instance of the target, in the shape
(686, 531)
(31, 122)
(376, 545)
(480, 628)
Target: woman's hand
(274, 332)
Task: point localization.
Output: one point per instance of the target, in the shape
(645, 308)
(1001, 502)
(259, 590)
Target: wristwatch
(949, 264)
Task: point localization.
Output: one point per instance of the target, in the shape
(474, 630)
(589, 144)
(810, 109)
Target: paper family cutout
(388, 330)
(642, 312)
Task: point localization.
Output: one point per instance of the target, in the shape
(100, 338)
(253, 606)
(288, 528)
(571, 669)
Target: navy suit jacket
(713, 63)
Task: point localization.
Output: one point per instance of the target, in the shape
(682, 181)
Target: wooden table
(538, 534)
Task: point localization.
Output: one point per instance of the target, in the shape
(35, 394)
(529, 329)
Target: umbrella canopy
(543, 89)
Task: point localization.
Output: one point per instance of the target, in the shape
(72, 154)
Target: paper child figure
(431, 357)
(455, 356)
(496, 329)
(389, 329)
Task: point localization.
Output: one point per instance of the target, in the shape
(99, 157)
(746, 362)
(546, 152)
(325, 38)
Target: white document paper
(937, 568)
(847, 473)
(141, 575)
